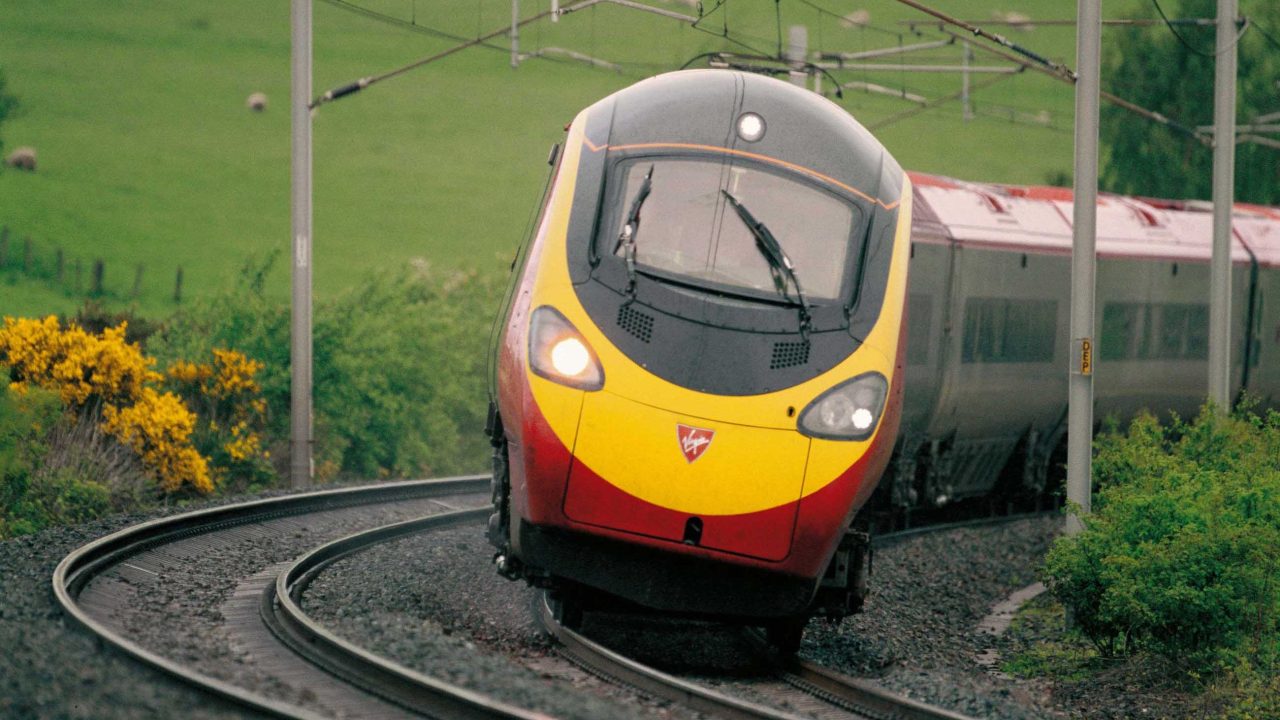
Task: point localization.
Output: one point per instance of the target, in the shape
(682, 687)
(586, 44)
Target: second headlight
(848, 411)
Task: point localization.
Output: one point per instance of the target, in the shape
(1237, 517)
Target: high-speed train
(989, 306)
(712, 351)
(698, 371)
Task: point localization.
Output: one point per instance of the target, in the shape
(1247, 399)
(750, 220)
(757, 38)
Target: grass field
(148, 155)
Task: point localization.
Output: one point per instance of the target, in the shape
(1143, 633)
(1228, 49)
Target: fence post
(26, 255)
(61, 263)
(177, 287)
(137, 281)
(4, 246)
(98, 272)
(79, 278)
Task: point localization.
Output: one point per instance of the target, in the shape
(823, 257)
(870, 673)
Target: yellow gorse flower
(105, 371)
(158, 428)
(78, 365)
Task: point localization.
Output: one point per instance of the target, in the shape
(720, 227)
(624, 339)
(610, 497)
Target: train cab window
(1009, 330)
(688, 230)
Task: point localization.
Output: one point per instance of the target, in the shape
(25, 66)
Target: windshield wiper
(780, 265)
(627, 238)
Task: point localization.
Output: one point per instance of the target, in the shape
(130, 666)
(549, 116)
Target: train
(738, 326)
(988, 347)
(696, 376)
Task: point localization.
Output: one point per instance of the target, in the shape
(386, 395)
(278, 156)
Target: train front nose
(704, 482)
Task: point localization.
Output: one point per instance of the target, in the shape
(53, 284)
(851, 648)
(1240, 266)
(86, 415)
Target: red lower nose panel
(765, 534)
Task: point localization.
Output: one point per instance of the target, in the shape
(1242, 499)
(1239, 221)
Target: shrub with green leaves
(398, 367)
(1180, 555)
(40, 483)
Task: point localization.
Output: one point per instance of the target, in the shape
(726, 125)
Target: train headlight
(558, 352)
(848, 411)
(750, 127)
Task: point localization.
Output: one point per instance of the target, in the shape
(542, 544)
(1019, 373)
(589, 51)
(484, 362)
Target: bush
(398, 367)
(1179, 555)
(34, 492)
(103, 377)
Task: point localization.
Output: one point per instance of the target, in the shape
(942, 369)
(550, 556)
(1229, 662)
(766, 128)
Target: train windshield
(688, 229)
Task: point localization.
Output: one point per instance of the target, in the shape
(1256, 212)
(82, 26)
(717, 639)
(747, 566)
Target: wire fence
(22, 258)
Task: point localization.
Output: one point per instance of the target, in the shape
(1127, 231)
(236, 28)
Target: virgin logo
(693, 441)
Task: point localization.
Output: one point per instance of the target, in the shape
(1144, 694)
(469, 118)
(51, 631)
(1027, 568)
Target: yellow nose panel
(640, 450)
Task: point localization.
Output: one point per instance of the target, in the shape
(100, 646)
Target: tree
(8, 104)
(1151, 67)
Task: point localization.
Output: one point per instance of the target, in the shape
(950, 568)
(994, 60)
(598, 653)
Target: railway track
(100, 585)
(96, 583)
(789, 681)
(840, 696)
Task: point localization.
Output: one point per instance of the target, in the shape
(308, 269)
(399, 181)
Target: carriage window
(1009, 330)
(1147, 331)
(687, 229)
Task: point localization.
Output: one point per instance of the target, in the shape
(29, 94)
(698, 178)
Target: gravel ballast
(454, 616)
(51, 668)
(918, 635)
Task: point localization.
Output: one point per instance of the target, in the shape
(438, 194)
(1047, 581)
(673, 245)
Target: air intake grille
(789, 354)
(635, 322)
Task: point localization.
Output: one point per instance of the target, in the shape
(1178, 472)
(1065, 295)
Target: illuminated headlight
(558, 352)
(849, 411)
(750, 127)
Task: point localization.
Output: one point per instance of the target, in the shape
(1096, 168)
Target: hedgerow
(398, 367)
(1180, 554)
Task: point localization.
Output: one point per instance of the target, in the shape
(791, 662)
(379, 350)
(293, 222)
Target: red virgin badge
(693, 440)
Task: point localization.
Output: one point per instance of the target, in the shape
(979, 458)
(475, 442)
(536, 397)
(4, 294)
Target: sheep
(23, 158)
(256, 102)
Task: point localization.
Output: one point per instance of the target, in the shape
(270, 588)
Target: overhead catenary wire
(1187, 44)
(929, 105)
(365, 82)
(1271, 39)
(993, 37)
(1107, 96)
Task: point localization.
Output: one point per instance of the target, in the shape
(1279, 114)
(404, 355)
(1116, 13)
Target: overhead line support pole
(1083, 261)
(300, 419)
(1224, 156)
(515, 33)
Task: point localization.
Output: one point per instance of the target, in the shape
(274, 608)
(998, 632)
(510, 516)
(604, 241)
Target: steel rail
(79, 567)
(411, 690)
(603, 661)
(846, 692)
(896, 536)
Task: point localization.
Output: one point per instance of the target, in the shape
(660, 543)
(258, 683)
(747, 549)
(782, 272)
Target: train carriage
(989, 301)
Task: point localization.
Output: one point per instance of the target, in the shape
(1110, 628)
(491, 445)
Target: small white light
(750, 127)
(570, 357)
(862, 418)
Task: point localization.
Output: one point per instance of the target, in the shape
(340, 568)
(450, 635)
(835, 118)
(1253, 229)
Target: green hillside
(148, 154)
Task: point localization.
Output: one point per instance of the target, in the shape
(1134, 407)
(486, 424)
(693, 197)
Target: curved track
(100, 585)
(843, 696)
(846, 696)
(94, 582)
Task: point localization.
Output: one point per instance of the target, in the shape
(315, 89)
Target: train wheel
(785, 635)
